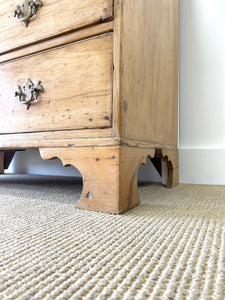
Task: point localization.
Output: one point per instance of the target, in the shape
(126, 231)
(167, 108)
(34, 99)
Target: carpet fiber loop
(170, 247)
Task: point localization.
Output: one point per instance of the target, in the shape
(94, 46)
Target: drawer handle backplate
(27, 11)
(29, 93)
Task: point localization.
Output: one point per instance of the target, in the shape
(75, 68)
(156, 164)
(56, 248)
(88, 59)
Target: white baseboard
(202, 166)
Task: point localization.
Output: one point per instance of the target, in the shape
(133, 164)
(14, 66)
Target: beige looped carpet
(170, 247)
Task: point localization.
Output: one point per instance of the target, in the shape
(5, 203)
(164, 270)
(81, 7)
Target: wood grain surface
(110, 174)
(149, 70)
(77, 79)
(59, 41)
(100, 171)
(54, 18)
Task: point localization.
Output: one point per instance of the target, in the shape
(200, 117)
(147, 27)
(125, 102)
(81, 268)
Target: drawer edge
(58, 41)
(73, 17)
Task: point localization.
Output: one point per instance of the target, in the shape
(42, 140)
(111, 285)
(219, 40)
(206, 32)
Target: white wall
(30, 162)
(202, 91)
(202, 100)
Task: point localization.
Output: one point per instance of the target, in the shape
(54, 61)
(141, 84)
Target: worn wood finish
(59, 41)
(171, 157)
(117, 112)
(145, 144)
(25, 140)
(130, 161)
(84, 137)
(70, 143)
(100, 170)
(77, 79)
(54, 18)
(109, 174)
(170, 166)
(149, 70)
(110, 100)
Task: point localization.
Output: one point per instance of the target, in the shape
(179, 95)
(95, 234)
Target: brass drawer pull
(28, 10)
(29, 92)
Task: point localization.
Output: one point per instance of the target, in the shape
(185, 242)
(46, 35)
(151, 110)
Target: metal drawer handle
(28, 10)
(29, 93)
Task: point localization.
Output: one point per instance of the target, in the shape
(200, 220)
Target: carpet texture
(170, 247)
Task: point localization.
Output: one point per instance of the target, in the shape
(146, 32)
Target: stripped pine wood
(109, 174)
(70, 143)
(68, 102)
(52, 19)
(58, 41)
(110, 96)
(149, 70)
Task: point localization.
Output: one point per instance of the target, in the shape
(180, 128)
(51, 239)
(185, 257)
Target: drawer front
(53, 18)
(77, 81)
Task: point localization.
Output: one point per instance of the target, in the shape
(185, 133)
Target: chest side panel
(149, 70)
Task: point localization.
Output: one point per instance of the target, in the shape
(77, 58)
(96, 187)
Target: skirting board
(202, 166)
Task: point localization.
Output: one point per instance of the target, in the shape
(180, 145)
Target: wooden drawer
(53, 18)
(77, 81)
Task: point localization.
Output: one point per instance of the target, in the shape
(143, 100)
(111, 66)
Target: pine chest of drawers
(94, 83)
